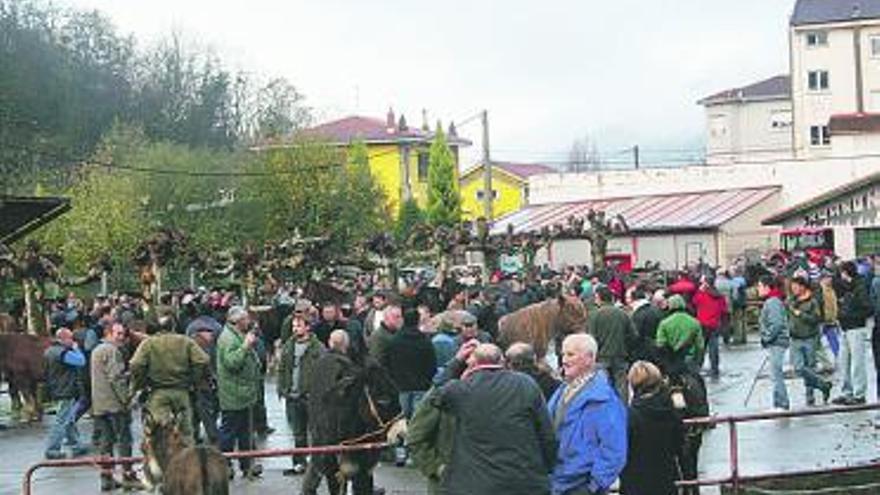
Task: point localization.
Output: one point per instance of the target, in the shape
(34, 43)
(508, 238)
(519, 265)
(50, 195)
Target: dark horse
(178, 468)
(349, 403)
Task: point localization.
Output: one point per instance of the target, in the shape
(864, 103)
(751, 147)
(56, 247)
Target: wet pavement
(765, 446)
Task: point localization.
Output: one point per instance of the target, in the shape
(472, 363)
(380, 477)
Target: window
(820, 135)
(480, 195)
(817, 80)
(875, 46)
(867, 241)
(718, 125)
(874, 101)
(817, 38)
(423, 166)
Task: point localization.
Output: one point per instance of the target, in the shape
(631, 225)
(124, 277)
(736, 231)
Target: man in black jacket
(646, 317)
(854, 311)
(504, 440)
(411, 364)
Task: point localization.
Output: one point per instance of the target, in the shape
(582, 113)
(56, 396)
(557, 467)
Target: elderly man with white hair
(238, 385)
(590, 422)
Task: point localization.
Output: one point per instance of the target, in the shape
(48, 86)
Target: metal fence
(106, 461)
(735, 481)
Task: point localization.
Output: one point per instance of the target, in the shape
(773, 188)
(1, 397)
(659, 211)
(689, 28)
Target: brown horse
(176, 467)
(23, 367)
(542, 323)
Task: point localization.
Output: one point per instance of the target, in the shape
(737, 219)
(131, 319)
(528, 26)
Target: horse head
(571, 317)
(379, 402)
(162, 439)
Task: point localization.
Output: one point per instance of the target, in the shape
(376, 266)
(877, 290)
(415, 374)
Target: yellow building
(398, 153)
(510, 188)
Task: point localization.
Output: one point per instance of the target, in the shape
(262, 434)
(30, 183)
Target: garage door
(867, 241)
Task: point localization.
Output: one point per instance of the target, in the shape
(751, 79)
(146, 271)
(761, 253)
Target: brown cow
(541, 323)
(22, 365)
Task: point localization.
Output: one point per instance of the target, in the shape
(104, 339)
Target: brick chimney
(390, 124)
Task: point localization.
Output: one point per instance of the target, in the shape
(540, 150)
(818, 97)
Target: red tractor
(816, 242)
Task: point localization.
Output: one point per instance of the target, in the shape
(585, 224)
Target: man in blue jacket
(64, 365)
(590, 423)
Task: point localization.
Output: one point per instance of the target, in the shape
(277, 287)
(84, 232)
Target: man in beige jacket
(110, 406)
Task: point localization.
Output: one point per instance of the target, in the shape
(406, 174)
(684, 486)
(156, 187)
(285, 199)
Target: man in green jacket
(429, 437)
(681, 334)
(614, 332)
(238, 386)
(380, 339)
(804, 316)
(167, 367)
(299, 354)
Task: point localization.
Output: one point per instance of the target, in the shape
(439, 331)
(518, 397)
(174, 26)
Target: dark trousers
(236, 429)
(298, 420)
(261, 421)
(711, 345)
(875, 349)
(689, 460)
(113, 430)
(205, 411)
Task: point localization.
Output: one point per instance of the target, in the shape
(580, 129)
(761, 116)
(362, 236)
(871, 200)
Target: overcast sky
(549, 71)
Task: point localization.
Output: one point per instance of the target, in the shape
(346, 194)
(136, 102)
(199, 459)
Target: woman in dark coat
(655, 434)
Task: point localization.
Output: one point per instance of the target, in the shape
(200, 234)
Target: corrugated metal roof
(706, 210)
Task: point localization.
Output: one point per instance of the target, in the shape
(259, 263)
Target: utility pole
(487, 170)
(636, 156)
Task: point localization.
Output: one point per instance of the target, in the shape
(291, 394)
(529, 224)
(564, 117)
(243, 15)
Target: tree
(106, 219)
(363, 196)
(279, 110)
(409, 216)
(444, 201)
(584, 155)
(185, 96)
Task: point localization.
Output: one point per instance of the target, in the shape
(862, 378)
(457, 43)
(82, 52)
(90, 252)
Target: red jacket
(710, 307)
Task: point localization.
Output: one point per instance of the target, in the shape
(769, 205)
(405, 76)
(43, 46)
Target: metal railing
(106, 461)
(736, 480)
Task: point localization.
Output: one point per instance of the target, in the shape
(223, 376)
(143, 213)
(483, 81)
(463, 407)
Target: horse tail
(201, 451)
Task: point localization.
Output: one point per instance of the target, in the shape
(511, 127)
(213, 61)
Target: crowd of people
(608, 406)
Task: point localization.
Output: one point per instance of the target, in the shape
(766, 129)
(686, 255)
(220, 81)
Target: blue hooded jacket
(592, 437)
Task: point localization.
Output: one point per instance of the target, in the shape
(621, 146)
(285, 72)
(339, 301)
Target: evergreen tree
(444, 202)
(365, 199)
(408, 217)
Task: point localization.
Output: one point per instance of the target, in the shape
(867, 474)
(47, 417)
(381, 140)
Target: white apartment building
(828, 105)
(835, 77)
(749, 123)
